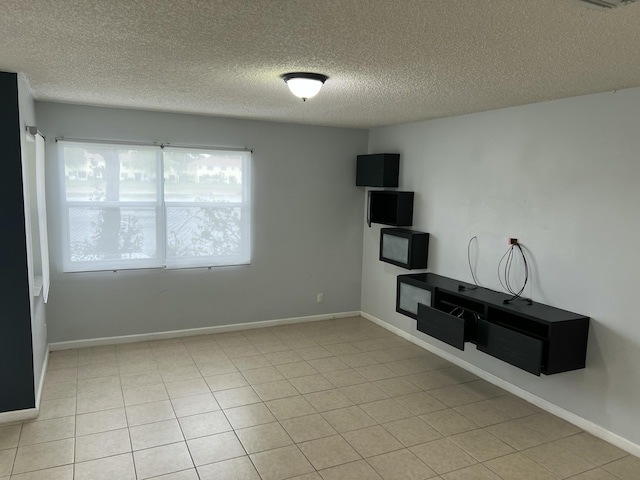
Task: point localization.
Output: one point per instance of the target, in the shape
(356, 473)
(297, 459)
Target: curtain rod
(34, 131)
(152, 144)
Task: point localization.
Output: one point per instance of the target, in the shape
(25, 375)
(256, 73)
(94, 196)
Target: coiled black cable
(508, 260)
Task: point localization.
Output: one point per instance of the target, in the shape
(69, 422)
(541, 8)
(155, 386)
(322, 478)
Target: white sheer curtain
(146, 206)
(35, 213)
(42, 214)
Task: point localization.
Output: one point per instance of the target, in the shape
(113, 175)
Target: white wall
(38, 314)
(307, 233)
(562, 177)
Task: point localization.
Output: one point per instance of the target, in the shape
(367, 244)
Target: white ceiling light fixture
(303, 84)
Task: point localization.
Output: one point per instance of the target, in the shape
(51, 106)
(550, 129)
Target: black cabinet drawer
(444, 327)
(516, 348)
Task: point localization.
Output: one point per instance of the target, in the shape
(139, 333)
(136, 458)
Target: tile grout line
(126, 419)
(15, 458)
(75, 429)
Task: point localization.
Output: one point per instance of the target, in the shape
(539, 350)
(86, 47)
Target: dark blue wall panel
(16, 355)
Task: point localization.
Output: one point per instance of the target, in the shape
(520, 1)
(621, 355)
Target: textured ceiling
(388, 61)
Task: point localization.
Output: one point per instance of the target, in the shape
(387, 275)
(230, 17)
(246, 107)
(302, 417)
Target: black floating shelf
(534, 337)
(378, 170)
(390, 208)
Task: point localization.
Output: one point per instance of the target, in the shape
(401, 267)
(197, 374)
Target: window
(130, 206)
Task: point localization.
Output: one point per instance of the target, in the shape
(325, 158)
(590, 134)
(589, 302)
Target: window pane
(117, 218)
(107, 234)
(204, 231)
(199, 176)
(98, 173)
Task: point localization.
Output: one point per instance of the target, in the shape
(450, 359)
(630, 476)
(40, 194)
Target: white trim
(45, 365)
(41, 204)
(94, 342)
(18, 415)
(584, 424)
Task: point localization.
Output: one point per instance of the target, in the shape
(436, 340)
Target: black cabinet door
(523, 351)
(404, 248)
(409, 297)
(446, 328)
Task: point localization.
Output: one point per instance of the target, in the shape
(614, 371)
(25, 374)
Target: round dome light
(304, 85)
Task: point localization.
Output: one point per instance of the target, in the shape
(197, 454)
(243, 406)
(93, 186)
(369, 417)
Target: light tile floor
(329, 400)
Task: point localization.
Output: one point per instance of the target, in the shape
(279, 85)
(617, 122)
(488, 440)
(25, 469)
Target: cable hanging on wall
(473, 274)
(504, 273)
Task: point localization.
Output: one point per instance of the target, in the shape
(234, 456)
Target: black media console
(534, 337)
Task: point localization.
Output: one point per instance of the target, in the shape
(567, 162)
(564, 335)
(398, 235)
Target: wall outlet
(320, 298)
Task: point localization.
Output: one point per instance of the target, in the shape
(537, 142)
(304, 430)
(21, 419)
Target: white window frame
(245, 223)
(160, 205)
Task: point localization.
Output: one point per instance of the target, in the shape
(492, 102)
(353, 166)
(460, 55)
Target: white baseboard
(45, 365)
(18, 415)
(582, 423)
(95, 342)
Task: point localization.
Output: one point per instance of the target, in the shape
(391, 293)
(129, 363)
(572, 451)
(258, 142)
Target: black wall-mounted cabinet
(390, 208)
(404, 248)
(536, 338)
(378, 170)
